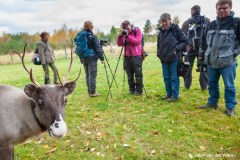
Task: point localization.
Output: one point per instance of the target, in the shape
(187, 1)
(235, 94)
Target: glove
(199, 62)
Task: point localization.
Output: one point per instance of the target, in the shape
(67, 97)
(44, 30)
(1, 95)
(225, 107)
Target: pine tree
(112, 35)
(148, 27)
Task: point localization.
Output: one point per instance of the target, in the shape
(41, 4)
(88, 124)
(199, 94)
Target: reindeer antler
(32, 78)
(70, 65)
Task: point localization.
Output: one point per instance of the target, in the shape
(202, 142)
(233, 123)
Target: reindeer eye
(40, 102)
(65, 100)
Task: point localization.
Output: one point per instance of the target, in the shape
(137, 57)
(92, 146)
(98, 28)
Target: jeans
(171, 78)
(90, 67)
(203, 80)
(46, 72)
(228, 75)
(133, 67)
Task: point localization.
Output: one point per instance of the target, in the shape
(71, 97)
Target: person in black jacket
(171, 41)
(194, 44)
(90, 63)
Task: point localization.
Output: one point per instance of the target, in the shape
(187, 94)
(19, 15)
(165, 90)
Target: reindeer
(32, 111)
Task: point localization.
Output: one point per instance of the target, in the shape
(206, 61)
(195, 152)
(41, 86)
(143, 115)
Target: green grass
(154, 129)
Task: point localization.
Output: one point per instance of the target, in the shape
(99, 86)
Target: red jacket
(134, 42)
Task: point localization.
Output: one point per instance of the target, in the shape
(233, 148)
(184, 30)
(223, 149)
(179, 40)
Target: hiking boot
(166, 97)
(229, 112)
(209, 106)
(138, 93)
(131, 92)
(95, 94)
(172, 99)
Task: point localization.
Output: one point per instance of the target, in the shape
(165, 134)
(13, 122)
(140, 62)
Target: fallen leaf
(170, 131)
(153, 152)
(155, 133)
(202, 148)
(98, 153)
(52, 150)
(92, 149)
(190, 156)
(126, 145)
(99, 135)
(45, 146)
(88, 132)
(29, 141)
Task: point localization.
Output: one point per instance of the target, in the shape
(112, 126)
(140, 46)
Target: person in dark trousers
(171, 41)
(193, 49)
(90, 63)
(131, 38)
(223, 37)
(47, 57)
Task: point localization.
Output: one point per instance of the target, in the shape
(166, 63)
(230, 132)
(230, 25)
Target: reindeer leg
(6, 152)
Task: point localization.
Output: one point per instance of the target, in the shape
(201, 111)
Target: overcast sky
(46, 15)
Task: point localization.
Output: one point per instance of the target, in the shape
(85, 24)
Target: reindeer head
(49, 101)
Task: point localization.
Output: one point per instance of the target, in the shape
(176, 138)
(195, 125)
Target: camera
(103, 42)
(124, 32)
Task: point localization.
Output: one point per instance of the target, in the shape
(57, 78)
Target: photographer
(90, 58)
(131, 39)
(171, 41)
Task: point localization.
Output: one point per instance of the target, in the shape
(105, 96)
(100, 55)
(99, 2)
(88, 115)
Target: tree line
(61, 38)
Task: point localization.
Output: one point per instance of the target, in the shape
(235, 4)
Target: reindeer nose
(59, 128)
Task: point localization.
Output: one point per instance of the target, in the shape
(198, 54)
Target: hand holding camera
(124, 32)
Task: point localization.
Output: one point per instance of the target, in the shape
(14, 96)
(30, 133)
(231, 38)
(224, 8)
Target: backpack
(81, 42)
(144, 54)
(197, 26)
(36, 57)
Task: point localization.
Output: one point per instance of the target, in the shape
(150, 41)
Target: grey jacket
(223, 42)
(46, 52)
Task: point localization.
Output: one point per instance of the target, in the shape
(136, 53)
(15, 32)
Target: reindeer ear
(69, 87)
(30, 90)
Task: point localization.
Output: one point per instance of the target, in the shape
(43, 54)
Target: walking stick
(124, 75)
(115, 71)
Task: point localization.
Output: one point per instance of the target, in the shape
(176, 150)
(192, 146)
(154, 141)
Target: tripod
(110, 69)
(105, 67)
(115, 71)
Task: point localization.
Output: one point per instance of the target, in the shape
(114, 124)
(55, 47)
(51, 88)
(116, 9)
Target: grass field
(130, 127)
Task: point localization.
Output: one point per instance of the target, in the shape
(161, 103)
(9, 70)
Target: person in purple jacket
(131, 39)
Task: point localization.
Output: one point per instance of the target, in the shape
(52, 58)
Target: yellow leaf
(52, 150)
(45, 146)
(170, 131)
(202, 148)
